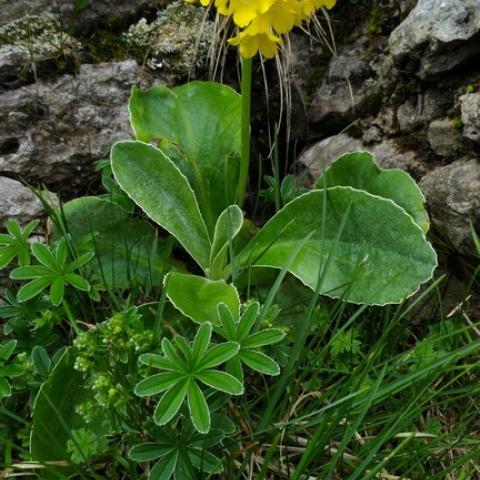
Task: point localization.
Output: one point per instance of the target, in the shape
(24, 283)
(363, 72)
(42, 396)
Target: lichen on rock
(178, 41)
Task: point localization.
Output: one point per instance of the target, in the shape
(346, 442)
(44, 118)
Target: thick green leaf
(43, 254)
(5, 389)
(228, 323)
(164, 469)
(198, 297)
(41, 361)
(228, 226)
(259, 362)
(57, 290)
(170, 403)
(11, 371)
(201, 342)
(198, 125)
(32, 289)
(157, 361)
(54, 413)
(127, 250)
(205, 461)
(157, 384)
(198, 407)
(146, 452)
(154, 183)
(7, 254)
(7, 349)
(360, 171)
(268, 336)
(221, 381)
(381, 257)
(219, 354)
(248, 319)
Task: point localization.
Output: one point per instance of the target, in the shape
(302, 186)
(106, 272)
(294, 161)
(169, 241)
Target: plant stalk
(246, 113)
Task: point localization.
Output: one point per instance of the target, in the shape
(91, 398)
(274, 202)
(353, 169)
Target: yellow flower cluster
(262, 22)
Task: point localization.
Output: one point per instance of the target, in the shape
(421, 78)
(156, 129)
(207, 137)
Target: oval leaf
(198, 297)
(158, 187)
(360, 171)
(381, 255)
(198, 126)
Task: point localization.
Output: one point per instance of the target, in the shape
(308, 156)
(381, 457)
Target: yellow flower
(261, 22)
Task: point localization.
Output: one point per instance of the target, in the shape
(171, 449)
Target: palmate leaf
(381, 256)
(221, 381)
(157, 384)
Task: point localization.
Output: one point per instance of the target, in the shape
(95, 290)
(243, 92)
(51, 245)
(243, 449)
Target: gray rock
(387, 153)
(94, 11)
(52, 132)
(444, 137)
(17, 202)
(33, 40)
(348, 85)
(437, 35)
(470, 105)
(177, 42)
(453, 199)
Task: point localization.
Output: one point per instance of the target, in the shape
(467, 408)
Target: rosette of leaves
(7, 369)
(181, 450)
(15, 244)
(55, 271)
(250, 341)
(362, 227)
(184, 368)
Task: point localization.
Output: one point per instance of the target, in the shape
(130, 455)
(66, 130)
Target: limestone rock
(453, 199)
(387, 153)
(90, 13)
(444, 137)
(52, 132)
(349, 87)
(437, 36)
(470, 105)
(19, 203)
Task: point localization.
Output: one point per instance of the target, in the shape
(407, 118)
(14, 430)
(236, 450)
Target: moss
(375, 20)
(371, 104)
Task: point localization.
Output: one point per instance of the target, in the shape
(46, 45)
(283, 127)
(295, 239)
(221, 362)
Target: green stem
(70, 317)
(246, 110)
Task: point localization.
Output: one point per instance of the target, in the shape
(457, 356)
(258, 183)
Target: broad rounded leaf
(198, 297)
(7, 349)
(41, 361)
(155, 184)
(198, 125)
(381, 256)
(127, 250)
(360, 171)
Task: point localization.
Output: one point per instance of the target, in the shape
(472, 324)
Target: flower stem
(246, 110)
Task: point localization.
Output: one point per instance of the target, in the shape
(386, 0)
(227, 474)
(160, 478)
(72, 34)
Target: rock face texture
(438, 35)
(453, 196)
(19, 203)
(52, 132)
(470, 106)
(86, 13)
